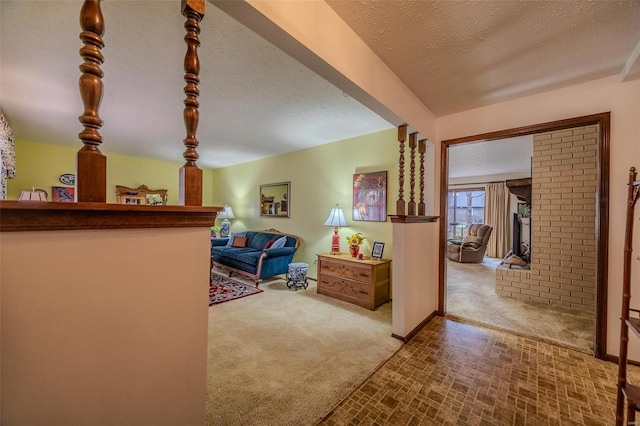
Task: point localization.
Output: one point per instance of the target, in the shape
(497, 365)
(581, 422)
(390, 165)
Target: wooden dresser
(361, 282)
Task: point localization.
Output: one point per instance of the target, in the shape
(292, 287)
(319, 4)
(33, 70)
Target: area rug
(223, 289)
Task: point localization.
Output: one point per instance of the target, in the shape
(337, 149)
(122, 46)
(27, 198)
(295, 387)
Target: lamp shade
(227, 213)
(33, 196)
(336, 218)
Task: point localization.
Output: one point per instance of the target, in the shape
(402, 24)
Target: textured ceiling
(257, 101)
(460, 55)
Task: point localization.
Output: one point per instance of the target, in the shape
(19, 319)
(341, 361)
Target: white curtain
(496, 204)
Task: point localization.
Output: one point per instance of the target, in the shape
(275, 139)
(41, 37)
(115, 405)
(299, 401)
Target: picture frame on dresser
(376, 251)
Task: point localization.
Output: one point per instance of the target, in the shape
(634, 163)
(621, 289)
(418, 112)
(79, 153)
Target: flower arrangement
(355, 239)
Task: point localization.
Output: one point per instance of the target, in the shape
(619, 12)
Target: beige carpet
(285, 357)
(471, 298)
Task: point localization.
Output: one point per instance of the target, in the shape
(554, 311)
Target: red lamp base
(335, 242)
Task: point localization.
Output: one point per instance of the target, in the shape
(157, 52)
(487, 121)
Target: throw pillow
(233, 235)
(280, 242)
(269, 244)
(240, 242)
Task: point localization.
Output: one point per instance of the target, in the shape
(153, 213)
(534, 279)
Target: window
(465, 207)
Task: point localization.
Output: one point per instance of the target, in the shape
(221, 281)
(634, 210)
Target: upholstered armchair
(472, 248)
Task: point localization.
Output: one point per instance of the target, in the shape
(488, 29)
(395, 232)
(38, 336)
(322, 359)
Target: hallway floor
(453, 373)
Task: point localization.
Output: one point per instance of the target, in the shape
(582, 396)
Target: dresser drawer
(361, 282)
(351, 291)
(352, 270)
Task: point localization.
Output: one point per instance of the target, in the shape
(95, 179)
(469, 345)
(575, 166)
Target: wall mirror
(275, 199)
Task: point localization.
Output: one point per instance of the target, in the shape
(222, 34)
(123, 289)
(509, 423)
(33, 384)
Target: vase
(354, 250)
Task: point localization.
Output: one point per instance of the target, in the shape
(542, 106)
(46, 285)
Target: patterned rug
(223, 289)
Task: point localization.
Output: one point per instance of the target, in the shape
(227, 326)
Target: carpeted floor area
(285, 357)
(471, 298)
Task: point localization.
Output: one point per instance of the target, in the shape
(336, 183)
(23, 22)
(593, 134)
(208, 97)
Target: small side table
(297, 275)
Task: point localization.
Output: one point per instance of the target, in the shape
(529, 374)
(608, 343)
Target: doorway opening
(596, 317)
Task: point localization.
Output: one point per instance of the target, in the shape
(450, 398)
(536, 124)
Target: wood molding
(603, 120)
(521, 188)
(413, 219)
(415, 331)
(615, 359)
(42, 216)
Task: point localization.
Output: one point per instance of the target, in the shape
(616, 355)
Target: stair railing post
(91, 164)
(422, 149)
(400, 203)
(190, 190)
(412, 173)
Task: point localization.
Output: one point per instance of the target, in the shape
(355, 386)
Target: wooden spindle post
(190, 191)
(412, 173)
(422, 149)
(91, 167)
(402, 137)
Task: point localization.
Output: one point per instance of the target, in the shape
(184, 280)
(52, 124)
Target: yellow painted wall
(320, 177)
(40, 165)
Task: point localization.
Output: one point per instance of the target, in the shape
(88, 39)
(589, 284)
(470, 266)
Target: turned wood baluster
(422, 149)
(412, 173)
(402, 137)
(190, 191)
(91, 168)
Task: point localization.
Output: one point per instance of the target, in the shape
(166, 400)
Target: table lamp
(336, 219)
(33, 195)
(225, 215)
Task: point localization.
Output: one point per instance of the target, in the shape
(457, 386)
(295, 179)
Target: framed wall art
(63, 194)
(370, 196)
(275, 199)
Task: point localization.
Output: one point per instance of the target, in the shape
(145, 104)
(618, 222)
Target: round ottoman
(297, 275)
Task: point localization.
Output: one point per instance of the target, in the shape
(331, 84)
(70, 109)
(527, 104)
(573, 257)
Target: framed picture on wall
(63, 194)
(370, 196)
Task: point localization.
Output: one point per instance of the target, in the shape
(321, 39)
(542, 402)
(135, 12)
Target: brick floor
(452, 373)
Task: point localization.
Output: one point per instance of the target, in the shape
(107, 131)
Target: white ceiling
(460, 55)
(502, 159)
(256, 101)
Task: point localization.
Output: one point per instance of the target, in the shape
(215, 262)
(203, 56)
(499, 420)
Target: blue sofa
(254, 261)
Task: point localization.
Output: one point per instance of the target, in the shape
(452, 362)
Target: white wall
(104, 327)
(415, 274)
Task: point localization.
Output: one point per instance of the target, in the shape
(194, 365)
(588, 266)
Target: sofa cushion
(240, 242)
(257, 240)
(280, 242)
(233, 236)
(237, 253)
(269, 244)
